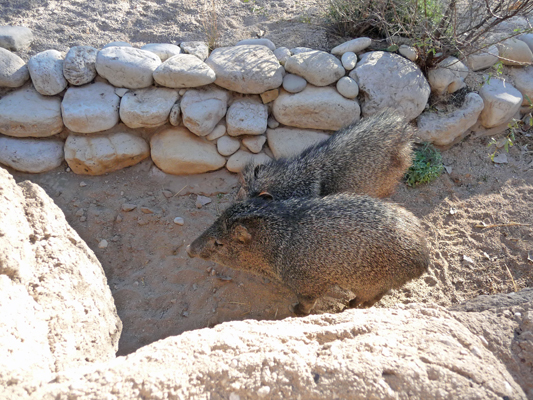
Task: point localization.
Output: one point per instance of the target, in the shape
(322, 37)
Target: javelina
(368, 157)
(310, 244)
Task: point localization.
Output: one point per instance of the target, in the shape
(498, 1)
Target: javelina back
(357, 242)
(368, 157)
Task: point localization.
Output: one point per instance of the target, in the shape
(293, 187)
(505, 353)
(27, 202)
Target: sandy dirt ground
(158, 290)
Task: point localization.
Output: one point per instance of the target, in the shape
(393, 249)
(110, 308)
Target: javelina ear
(265, 196)
(241, 194)
(242, 234)
(257, 170)
(240, 176)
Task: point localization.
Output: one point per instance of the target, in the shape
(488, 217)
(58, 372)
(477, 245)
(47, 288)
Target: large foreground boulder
(56, 310)
(409, 351)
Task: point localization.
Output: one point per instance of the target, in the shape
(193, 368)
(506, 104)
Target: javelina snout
(309, 245)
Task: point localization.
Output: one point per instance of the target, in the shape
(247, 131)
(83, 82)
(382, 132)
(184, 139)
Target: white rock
(147, 108)
(282, 54)
(226, 145)
(261, 42)
(198, 49)
(287, 142)
(163, 50)
(90, 108)
(13, 70)
(79, 66)
(179, 221)
(523, 81)
(294, 83)
(448, 76)
(46, 71)
(255, 143)
(175, 114)
(121, 91)
(514, 52)
(117, 44)
(31, 155)
(202, 201)
(300, 50)
(349, 60)
(527, 38)
(184, 70)
(348, 87)
(238, 161)
(248, 69)
(389, 80)
(355, 46)
(99, 154)
(247, 116)
(25, 112)
(202, 109)
(177, 151)
(272, 123)
(443, 130)
(408, 52)
(15, 38)
(218, 131)
(501, 100)
(127, 67)
(103, 244)
(316, 67)
(316, 108)
(483, 59)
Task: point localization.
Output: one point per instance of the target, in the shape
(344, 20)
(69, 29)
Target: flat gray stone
(26, 113)
(261, 42)
(248, 69)
(355, 46)
(198, 49)
(316, 108)
(184, 71)
(247, 116)
(46, 71)
(483, 59)
(79, 66)
(127, 67)
(147, 108)
(163, 50)
(31, 155)
(523, 81)
(294, 83)
(391, 81)
(502, 100)
(15, 38)
(13, 70)
(316, 67)
(90, 108)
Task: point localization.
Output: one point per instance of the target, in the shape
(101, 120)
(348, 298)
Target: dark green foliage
(427, 166)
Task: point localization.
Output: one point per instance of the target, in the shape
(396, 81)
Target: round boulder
(79, 66)
(249, 69)
(147, 108)
(163, 50)
(390, 81)
(184, 71)
(90, 108)
(13, 69)
(127, 67)
(31, 155)
(247, 116)
(316, 67)
(46, 71)
(202, 109)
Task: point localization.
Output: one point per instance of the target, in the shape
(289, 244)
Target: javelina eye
(218, 244)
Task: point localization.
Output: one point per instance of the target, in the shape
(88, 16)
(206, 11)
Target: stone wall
(194, 112)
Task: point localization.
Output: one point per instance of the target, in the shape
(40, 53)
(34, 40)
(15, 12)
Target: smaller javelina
(368, 157)
(357, 242)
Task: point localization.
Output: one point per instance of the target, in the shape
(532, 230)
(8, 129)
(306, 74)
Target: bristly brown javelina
(310, 244)
(368, 157)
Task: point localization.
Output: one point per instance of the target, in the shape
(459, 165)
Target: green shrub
(427, 166)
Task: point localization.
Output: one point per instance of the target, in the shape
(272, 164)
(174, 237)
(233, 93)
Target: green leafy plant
(427, 166)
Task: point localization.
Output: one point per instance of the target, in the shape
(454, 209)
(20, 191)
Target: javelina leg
(365, 302)
(305, 305)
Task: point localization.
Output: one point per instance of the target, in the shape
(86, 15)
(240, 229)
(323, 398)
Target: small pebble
(347, 87)
(468, 260)
(483, 340)
(103, 244)
(185, 313)
(182, 92)
(83, 219)
(272, 123)
(475, 351)
(213, 272)
(202, 201)
(119, 218)
(80, 212)
(167, 194)
(68, 170)
(349, 60)
(263, 391)
(128, 207)
(135, 283)
(194, 286)
(83, 184)
(517, 314)
(147, 210)
(179, 221)
(294, 83)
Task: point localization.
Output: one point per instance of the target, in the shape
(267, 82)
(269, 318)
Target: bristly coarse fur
(311, 244)
(368, 157)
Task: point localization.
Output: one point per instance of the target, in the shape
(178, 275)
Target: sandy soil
(158, 290)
